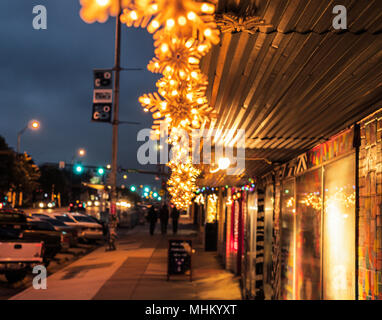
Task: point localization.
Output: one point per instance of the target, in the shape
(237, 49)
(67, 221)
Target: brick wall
(370, 214)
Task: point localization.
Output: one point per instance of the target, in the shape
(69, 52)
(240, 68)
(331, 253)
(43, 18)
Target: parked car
(65, 237)
(70, 231)
(18, 257)
(88, 229)
(34, 231)
(53, 240)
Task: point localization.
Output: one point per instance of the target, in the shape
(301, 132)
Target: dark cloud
(47, 75)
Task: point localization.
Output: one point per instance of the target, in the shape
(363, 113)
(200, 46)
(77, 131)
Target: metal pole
(18, 142)
(117, 69)
(19, 138)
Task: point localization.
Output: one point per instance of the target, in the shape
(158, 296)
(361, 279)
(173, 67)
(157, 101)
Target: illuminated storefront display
(339, 230)
(287, 240)
(249, 276)
(212, 208)
(236, 227)
(308, 236)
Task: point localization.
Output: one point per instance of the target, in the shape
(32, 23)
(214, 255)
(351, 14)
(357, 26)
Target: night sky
(47, 75)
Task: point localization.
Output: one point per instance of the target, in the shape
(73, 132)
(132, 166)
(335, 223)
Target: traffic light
(133, 188)
(101, 171)
(78, 168)
(147, 189)
(155, 194)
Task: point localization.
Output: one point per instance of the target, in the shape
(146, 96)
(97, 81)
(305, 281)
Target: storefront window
(268, 237)
(287, 240)
(308, 236)
(251, 231)
(339, 230)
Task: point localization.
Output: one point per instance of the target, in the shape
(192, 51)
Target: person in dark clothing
(175, 217)
(152, 217)
(163, 216)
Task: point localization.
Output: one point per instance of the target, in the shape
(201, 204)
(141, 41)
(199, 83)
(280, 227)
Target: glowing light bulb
(154, 25)
(189, 96)
(170, 23)
(194, 111)
(191, 16)
(193, 60)
(208, 32)
(223, 163)
(194, 74)
(182, 21)
(174, 92)
(189, 43)
(200, 100)
(195, 123)
(103, 3)
(202, 47)
(163, 105)
(207, 8)
(133, 15)
(164, 48)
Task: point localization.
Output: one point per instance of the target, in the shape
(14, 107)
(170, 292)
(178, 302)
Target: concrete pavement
(137, 270)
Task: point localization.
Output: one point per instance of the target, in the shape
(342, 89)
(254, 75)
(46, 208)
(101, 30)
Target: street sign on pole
(102, 96)
(102, 112)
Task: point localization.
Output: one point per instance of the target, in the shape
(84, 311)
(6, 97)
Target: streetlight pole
(33, 124)
(117, 69)
(19, 138)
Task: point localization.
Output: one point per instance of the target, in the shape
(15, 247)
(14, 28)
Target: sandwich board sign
(179, 258)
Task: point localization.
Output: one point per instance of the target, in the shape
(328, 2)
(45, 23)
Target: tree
(53, 179)
(18, 172)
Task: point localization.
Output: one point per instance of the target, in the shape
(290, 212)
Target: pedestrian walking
(152, 217)
(163, 216)
(175, 217)
(112, 232)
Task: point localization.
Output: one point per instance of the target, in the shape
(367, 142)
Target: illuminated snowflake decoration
(182, 183)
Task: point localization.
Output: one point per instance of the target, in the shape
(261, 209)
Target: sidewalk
(137, 270)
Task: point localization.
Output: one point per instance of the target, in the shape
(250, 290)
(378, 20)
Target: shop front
(248, 275)
(235, 234)
(318, 224)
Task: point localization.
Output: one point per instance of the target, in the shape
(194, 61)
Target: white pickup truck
(17, 257)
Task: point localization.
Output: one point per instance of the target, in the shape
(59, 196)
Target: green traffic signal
(155, 194)
(133, 188)
(78, 169)
(101, 171)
